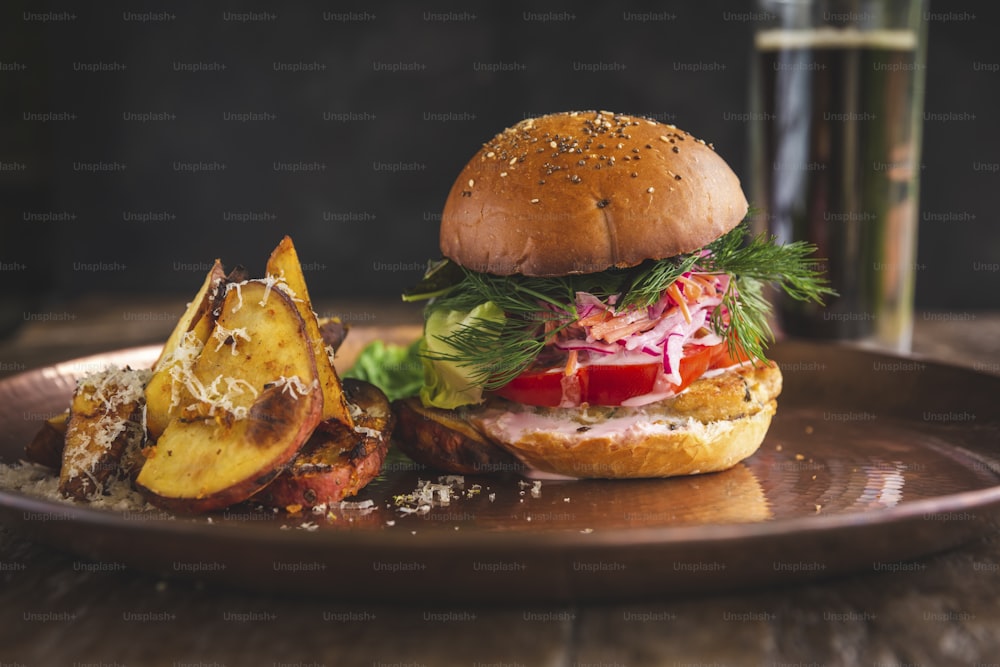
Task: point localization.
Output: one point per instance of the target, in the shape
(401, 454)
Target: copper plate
(871, 462)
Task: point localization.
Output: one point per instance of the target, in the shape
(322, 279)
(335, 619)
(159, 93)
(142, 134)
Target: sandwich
(599, 310)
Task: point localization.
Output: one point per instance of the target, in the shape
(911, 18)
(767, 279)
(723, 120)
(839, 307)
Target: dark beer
(836, 150)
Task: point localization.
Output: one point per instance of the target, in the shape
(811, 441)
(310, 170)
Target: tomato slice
(542, 388)
(721, 357)
(611, 384)
(696, 360)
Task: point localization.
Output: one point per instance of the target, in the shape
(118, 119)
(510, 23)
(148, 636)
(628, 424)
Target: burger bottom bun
(718, 421)
(633, 448)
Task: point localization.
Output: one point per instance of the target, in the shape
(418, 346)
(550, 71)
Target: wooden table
(56, 609)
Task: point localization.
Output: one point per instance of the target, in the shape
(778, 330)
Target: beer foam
(832, 38)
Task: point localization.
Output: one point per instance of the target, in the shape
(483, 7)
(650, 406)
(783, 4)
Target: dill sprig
(537, 309)
(751, 264)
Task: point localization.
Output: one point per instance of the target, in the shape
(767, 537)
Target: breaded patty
(739, 392)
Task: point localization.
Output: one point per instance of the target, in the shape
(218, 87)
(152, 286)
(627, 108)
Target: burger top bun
(581, 192)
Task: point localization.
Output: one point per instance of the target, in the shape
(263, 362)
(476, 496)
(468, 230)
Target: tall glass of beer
(837, 91)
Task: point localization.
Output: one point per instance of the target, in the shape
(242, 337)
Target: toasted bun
(584, 191)
(664, 439)
(647, 449)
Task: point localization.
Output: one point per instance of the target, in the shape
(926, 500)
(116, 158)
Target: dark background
(392, 100)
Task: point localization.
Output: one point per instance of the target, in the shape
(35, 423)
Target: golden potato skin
(284, 263)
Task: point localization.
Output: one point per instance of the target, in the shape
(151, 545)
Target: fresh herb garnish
(537, 309)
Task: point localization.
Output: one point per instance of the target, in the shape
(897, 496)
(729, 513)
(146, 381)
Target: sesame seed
(512, 160)
(491, 154)
(534, 201)
(650, 189)
(676, 149)
(603, 202)
(677, 177)
(503, 174)
(664, 138)
(553, 144)
(471, 182)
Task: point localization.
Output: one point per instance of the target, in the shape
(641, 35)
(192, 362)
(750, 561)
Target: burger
(599, 309)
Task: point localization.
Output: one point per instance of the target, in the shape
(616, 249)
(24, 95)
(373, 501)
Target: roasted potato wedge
(190, 333)
(207, 464)
(284, 264)
(337, 461)
(199, 309)
(104, 423)
(258, 401)
(442, 440)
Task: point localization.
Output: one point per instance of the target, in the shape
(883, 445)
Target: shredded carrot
(692, 289)
(707, 282)
(621, 325)
(595, 318)
(676, 295)
(571, 363)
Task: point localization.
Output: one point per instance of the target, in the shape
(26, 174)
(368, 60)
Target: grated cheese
(368, 432)
(224, 335)
(216, 399)
(37, 481)
(269, 282)
(429, 494)
(239, 293)
(281, 283)
(181, 364)
(294, 386)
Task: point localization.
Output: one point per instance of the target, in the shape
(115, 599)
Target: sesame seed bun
(581, 192)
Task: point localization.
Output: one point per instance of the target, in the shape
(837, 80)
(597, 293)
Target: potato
(442, 440)
(207, 464)
(258, 400)
(46, 447)
(284, 264)
(338, 461)
(197, 320)
(104, 423)
(198, 310)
